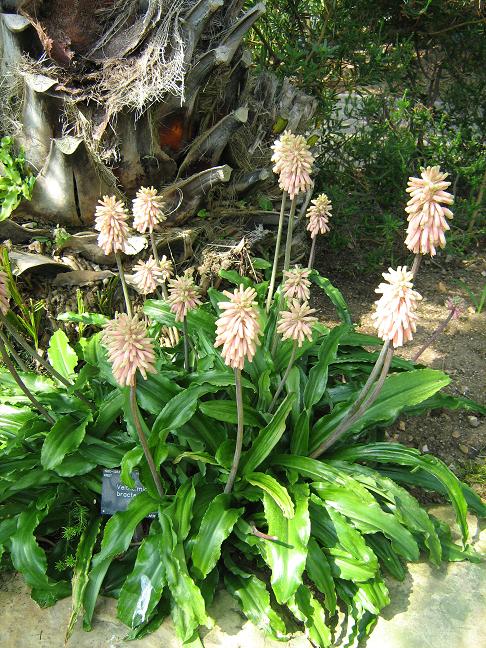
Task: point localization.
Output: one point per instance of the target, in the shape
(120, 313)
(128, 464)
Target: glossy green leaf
(319, 571)
(61, 355)
(84, 553)
(156, 391)
(188, 610)
(178, 411)
(225, 410)
(216, 525)
(398, 454)
(299, 443)
(317, 383)
(334, 295)
(254, 599)
(287, 556)
(308, 610)
(235, 278)
(400, 390)
(181, 510)
(116, 538)
(108, 412)
(267, 438)
(90, 319)
(388, 558)
(276, 491)
(130, 460)
(13, 418)
(144, 585)
(64, 438)
(219, 379)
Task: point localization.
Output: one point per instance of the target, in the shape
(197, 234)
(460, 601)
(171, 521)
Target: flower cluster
(293, 162)
(238, 328)
(183, 296)
(427, 222)
(147, 210)
(111, 222)
(296, 284)
(147, 276)
(296, 322)
(166, 268)
(4, 294)
(319, 214)
(395, 316)
(129, 348)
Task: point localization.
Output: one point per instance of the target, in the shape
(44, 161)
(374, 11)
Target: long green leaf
(398, 454)
(267, 438)
(334, 295)
(308, 610)
(61, 355)
(400, 390)
(225, 410)
(116, 538)
(319, 571)
(64, 438)
(177, 411)
(216, 525)
(287, 556)
(144, 585)
(272, 487)
(317, 383)
(84, 553)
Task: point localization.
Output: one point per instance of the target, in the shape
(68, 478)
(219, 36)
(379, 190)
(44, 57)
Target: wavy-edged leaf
(108, 412)
(307, 609)
(400, 390)
(389, 559)
(319, 571)
(64, 438)
(216, 525)
(254, 600)
(13, 418)
(276, 491)
(178, 411)
(181, 509)
(90, 319)
(116, 538)
(267, 438)
(299, 442)
(143, 587)
(441, 400)
(156, 391)
(373, 595)
(317, 383)
(334, 295)
(61, 355)
(84, 553)
(287, 556)
(398, 454)
(130, 460)
(188, 609)
(225, 410)
(218, 378)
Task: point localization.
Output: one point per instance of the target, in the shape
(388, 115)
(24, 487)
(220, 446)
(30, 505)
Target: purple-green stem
(416, 265)
(42, 361)
(121, 273)
(312, 253)
(10, 366)
(346, 424)
(239, 434)
(290, 233)
(143, 441)
(438, 331)
(284, 377)
(271, 287)
(13, 353)
(155, 252)
(186, 341)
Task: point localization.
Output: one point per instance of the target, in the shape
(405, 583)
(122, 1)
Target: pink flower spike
(129, 348)
(183, 296)
(296, 323)
(427, 215)
(147, 210)
(395, 316)
(238, 327)
(293, 162)
(319, 214)
(296, 284)
(147, 276)
(111, 223)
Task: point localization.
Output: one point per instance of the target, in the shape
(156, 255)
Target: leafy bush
(15, 180)
(397, 84)
(297, 538)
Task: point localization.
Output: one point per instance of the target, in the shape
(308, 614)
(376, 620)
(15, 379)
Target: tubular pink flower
(319, 214)
(427, 222)
(4, 294)
(129, 348)
(238, 328)
(296, 284)
(293, 162)
(147, 210)
(183, 296)
(147, 276)
(166, 268)
(296, 323)
(395, 316)
(111, 217)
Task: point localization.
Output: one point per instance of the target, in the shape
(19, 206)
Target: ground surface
(457, 437)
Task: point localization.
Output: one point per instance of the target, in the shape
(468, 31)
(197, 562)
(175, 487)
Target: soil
(456, 437)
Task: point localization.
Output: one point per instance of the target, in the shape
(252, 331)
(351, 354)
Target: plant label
(115, 495)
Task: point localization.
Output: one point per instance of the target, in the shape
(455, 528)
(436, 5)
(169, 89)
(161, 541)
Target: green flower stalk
(318, 214)
(237, 331)
(183, 297)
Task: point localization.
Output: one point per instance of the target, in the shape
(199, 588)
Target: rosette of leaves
(298, 538)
